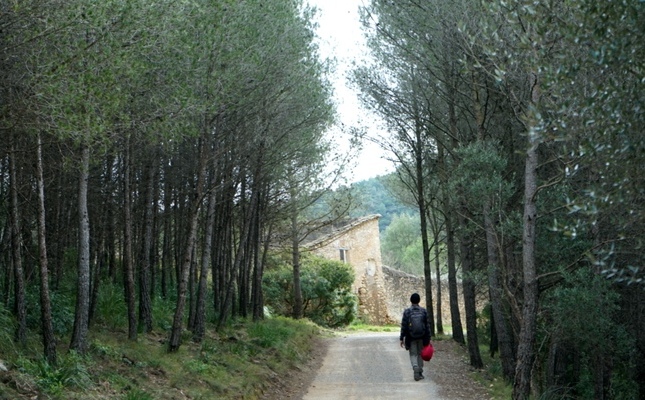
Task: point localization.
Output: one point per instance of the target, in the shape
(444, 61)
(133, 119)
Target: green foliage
(70, 373)
(374, 197)
(138, 394)
(326, 290)
(62, 307)
(7, 329)
(401, 245)
(269, 333)
(480, 175)
(162, 312)
(582, 317)
(110, 306)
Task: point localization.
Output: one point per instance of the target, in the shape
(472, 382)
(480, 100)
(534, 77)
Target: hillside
(244, 360)
(374, 196)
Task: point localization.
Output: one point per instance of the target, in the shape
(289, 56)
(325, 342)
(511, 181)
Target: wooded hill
(374, 196)
(167, 147)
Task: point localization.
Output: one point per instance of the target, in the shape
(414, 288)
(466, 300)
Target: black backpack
(416, 325)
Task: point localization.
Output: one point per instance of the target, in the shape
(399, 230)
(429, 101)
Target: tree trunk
(20, 308)
(222, 263)
(192, 288)
(200, 312)
(525, 351)
(295, 260)
(438, 274)
(6, 259)
(81, 318)
(455, 314)
(103, 232)
(49, 340)
(258, 297)
(167, 238)
(245, 237)
(470, 301)
(128, 258)
(503, 334)
(421, 203)
(436, 231)
(145, 302)
(182, 284)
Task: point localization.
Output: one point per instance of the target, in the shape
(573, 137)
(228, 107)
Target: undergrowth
(240, 360)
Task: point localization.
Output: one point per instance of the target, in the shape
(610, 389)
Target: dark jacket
(405, 324)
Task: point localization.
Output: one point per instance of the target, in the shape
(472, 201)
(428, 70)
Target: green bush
(582, 312)
(70, 372)
(62, 308)
(7, 329)
(110, 306)
(326, 290)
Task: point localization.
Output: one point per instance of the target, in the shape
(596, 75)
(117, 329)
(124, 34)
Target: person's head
(415, 298)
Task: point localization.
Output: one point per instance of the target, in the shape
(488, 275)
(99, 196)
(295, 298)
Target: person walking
(415, 334)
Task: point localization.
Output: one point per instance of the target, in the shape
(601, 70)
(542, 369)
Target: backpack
(416, 325)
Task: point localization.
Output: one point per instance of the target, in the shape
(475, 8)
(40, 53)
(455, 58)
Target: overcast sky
(340, 36)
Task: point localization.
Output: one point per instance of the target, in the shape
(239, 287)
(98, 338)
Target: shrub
(70, 372)
(326, 290)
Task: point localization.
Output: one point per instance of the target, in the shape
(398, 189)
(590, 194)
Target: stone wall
(383, 293)
(358, 244)
(400, 285)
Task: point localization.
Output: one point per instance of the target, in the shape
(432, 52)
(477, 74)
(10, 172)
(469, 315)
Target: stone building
(383, 293)
(357, 243)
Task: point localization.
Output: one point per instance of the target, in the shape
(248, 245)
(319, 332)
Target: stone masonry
(358, 244)
(383, 293)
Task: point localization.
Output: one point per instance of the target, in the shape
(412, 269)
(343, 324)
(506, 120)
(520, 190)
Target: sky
(340, 36)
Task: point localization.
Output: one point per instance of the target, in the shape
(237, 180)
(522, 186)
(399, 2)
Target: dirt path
(373, 366)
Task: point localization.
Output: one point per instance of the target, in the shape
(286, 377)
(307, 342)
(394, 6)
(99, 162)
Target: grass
(491, 376)
(240, 361)
(359, 326)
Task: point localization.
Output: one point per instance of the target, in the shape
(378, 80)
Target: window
(344, 256)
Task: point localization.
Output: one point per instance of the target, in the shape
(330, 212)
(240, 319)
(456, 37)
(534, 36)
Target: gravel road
(369, 366)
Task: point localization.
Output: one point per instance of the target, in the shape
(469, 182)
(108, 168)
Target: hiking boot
(417, 375)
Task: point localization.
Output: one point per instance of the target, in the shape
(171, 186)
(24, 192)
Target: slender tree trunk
(81, 319)
(436, 231)
(200, 312)
(502, 331)
(257, 298)
(470, 302)
(421, 203)
(455, 314)
(49, 340)
(439, 292)
(244, 238)
(167, 237)
(8, 278)
(182, 284)
(154, 256)
(145, 302)
(192, 288)
(20, 307)
(222, 261)
(128, 259)
(295, 261)
(526, 351)
(111, 245)
(103, 235)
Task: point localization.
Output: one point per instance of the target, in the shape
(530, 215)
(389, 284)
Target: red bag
(427, 352)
